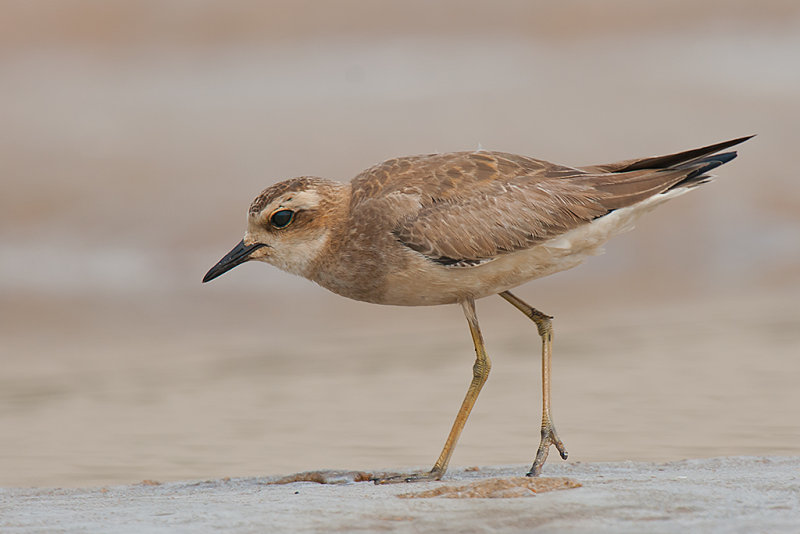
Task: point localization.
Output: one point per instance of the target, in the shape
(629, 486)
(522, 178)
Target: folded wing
(476, 205)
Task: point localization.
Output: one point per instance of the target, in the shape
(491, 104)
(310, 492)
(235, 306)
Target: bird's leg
(544, 323)
(480, 372)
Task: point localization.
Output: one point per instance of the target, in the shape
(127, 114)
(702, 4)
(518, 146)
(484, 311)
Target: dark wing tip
(701, 168)
(689, 156)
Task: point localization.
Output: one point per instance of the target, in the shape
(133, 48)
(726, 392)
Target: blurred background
(133, 136)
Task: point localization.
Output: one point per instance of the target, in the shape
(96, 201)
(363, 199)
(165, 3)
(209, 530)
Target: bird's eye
(281, 218)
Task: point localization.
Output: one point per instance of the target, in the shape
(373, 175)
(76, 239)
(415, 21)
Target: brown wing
(464, 207)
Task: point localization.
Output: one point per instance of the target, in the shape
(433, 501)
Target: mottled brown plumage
(475, 205)
(451, 228)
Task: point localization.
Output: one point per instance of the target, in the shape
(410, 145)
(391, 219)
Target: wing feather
(464, 208)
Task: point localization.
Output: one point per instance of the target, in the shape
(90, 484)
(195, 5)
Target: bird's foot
(549, 437)
(398, 478)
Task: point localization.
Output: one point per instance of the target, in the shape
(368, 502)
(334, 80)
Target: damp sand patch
(497, 488)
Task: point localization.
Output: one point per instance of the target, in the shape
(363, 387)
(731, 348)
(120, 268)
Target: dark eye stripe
(281, 218)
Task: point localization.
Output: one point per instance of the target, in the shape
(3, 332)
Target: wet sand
(130, 152)
(327, 383)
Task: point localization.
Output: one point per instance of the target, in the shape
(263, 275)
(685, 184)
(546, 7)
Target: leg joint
(544, 323)
(481, 368)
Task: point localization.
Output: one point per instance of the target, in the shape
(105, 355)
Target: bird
(452, 228)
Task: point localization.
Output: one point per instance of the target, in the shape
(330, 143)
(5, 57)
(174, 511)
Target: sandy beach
(739, 494)
(228, 397)
(133, 138)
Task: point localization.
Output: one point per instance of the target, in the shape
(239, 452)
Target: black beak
(239, 254)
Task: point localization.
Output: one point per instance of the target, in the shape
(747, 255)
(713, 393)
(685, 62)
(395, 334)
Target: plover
(452, 228)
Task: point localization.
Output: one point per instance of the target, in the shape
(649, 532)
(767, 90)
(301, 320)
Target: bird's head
(288, 226)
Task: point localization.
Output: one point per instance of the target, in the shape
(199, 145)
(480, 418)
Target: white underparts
(600, 230)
